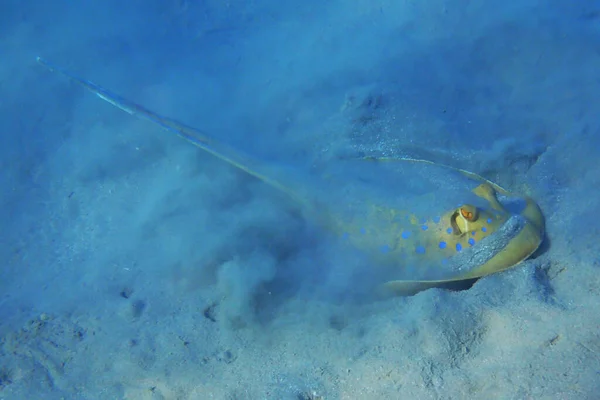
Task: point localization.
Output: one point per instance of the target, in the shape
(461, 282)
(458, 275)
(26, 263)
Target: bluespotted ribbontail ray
(424, 223)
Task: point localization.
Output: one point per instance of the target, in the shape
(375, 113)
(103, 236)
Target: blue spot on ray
(442, 245)
(458, 247)
(484, 229)
(424, 227)
(385, 249)
(471, 241)
(449, 230)
(489, 220)
(437, 219)
(405, 234)
(420, 250)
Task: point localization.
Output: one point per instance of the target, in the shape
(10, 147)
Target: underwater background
(136, 266)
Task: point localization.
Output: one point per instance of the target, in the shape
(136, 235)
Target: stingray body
(422, 223)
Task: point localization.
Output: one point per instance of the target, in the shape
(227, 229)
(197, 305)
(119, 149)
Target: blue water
(135, 266)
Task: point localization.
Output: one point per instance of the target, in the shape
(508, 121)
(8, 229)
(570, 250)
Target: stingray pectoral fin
(533, 213)
(518, 238)
(464, 172)
(519, 249)
(523, 245)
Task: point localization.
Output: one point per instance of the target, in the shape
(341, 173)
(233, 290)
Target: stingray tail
(190, 134)
(199, 139)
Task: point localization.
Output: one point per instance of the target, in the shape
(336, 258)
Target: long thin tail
(199, 139)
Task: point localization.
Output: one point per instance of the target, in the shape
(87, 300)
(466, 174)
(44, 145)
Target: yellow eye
(462, 218)
(469, 213)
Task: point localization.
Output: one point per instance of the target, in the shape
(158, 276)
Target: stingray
(419, 223)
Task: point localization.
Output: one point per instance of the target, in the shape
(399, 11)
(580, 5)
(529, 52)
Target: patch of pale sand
(177, 387)
(155, 387)
(436, 344)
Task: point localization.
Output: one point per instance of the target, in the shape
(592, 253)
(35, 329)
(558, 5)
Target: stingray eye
(462, 217)
(469, 213)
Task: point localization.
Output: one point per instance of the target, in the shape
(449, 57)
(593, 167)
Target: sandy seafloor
(135, 266)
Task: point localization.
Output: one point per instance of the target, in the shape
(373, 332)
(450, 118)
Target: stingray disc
(427, 224)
